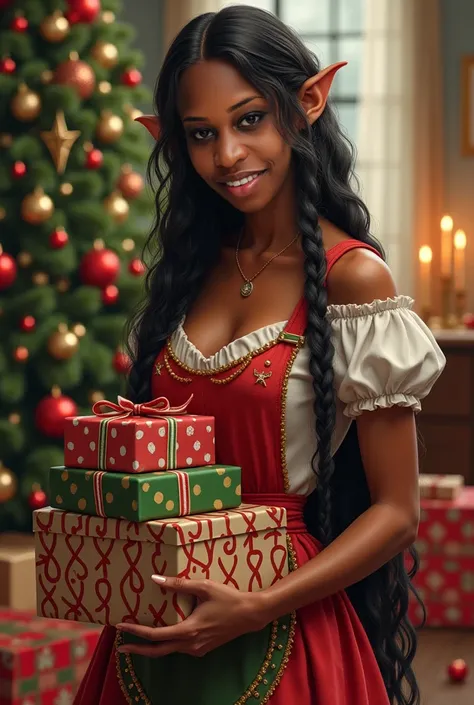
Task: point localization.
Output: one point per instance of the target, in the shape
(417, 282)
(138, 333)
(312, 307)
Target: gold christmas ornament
(63, 285)
(117, 207)
(130, 182)
(26, 104)
(55, 27)
(46, 76)
(109, 128)
(108, 17)
(79, 329)
(128, 245)
(40, 278)
(106, 54)
(24, 259)
(132, 112)
(8, 484)
(66, 189)
(14, 419)
(6, 140)
(37, 207)
(95, 396)
(59, 140)
(63, 344)
(104, 87)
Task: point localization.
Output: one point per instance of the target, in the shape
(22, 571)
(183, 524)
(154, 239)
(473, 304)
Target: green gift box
(146, 496)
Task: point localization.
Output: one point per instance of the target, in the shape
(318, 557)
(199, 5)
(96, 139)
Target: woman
(271, 303)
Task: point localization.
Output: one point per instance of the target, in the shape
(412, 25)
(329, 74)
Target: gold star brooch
(261, 377)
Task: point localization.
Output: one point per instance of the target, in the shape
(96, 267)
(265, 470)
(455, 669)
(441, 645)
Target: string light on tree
(99, 267)
(51, 412)
(8, 270)
(40, 279)
(24, 259)
(26, 104)
(7, 65)
(55, 28)
(37, 207)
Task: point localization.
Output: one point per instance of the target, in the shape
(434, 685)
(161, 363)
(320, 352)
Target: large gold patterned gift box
(98, 569)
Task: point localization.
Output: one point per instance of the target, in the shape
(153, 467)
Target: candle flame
(460, 240)
(446, 223)
(425, 254)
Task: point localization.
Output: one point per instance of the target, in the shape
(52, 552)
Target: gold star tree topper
(59, 140)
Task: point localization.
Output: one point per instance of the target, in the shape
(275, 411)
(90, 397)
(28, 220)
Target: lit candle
(446, 245)
(460, 242)
(425, 256)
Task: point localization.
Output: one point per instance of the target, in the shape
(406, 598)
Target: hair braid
(318, 335)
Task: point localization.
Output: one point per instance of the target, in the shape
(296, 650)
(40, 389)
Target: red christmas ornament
(21, 354)
(99, 267)
(58, 238)
(19, 24)
(94, 159)
(18, 170)
(110, 295)
(131, 77)
(83, 11)
(7, 65)
(458, 671)
(51, 412)
(136, 267)
(28, 323)
(121, 362)
(8, 270)
(468, 320)
(77, 74)
(37, 499)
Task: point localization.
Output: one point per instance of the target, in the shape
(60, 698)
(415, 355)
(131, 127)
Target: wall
(147, 18)
(457, 39)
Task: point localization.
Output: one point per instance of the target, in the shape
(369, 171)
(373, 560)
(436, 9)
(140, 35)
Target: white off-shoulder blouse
(384, 356)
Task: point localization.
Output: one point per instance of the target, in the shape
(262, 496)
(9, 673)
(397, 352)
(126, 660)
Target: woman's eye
(201, 134)
(251, 120)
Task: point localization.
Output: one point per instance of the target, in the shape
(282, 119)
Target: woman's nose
(229, 150)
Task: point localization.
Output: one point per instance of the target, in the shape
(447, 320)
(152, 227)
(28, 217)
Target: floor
(437, 648)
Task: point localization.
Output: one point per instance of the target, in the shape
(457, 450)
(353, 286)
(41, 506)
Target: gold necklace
(247, 288)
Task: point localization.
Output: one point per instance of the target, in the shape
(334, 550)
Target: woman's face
(232, 137)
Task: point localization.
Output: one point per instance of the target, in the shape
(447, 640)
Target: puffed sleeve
(384, 355)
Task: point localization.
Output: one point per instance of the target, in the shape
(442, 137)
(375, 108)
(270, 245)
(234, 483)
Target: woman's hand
(222, 614)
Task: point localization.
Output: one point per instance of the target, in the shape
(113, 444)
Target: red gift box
(134, 438)
(445, 544)
(42, 661)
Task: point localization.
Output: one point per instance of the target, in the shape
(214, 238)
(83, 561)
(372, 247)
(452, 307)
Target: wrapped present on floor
(99, 570)
(135, 438)
(445, 579)
(146, 496)
(441, 486)
(17, 571)
(42, 661)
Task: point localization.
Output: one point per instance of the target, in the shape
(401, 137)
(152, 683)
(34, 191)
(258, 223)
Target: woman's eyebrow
(240, 104)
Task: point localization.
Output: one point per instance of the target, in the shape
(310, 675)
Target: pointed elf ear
(314, 92)
(152, 124)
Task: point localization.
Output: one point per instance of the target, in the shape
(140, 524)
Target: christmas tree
(71, 201)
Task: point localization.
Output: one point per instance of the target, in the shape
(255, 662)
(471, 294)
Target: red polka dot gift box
(96, 569)
(135, 438)
(445, 544)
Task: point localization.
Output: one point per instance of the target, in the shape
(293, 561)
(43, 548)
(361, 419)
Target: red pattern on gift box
(106, 562)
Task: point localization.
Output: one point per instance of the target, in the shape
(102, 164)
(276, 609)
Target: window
(333, 29)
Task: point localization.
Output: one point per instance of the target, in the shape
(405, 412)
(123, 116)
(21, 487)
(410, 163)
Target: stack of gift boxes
(445, 545)
(140, 494)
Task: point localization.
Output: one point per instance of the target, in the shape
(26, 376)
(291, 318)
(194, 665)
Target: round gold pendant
(246, 289)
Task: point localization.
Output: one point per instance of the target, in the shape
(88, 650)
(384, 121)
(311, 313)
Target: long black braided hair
(184, 246)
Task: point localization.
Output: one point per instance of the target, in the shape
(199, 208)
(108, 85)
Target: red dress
(328, 658)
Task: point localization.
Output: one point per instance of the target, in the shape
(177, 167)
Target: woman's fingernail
(121, 650)
(158, 578)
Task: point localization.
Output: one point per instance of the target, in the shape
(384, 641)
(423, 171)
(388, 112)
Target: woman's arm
(387, 439)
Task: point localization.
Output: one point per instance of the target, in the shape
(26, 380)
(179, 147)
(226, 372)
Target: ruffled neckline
(190, 356)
